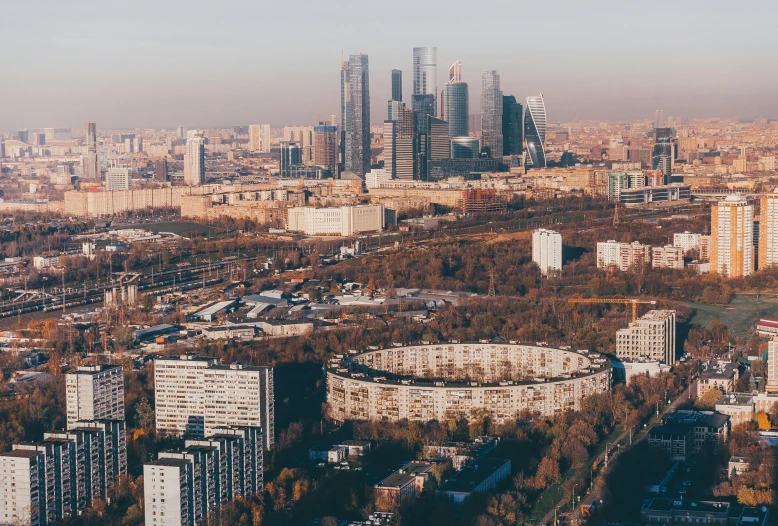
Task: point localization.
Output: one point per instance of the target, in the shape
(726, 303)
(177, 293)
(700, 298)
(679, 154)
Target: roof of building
(736, 399)
(21, 453)
(285, 322)
(94, 369)
(177, 462)
(215, 308)
(694, 506)
(406, 474)
(697, 418)
(150, 331)
(263, 299)
(471, 476)
(670, 429)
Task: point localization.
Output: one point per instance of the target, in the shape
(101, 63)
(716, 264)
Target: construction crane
(624, 301)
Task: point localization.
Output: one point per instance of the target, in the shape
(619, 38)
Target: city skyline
(157, 71)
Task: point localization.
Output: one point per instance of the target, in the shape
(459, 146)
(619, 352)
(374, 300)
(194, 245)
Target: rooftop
(735, 399)
(471, 476)
(690, 506)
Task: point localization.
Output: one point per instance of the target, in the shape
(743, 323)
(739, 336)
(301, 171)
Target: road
(589, 499)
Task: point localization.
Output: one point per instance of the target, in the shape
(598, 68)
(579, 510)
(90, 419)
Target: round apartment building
(454, 380)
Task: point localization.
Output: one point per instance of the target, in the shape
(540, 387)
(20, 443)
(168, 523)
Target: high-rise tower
(535, 131)
(732, 237)
(456, 105)
(90, 162)
(194, 159)
(425, 76)
(397, 85)
(491, 113)
(511, 126)
(345, 109)
(356, 108)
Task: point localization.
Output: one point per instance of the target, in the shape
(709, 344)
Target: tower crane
(633, 301)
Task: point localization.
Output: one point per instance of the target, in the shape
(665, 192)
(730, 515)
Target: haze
(196, 63)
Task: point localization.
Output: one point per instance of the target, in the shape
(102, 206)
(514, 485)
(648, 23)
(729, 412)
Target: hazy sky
(146, 63)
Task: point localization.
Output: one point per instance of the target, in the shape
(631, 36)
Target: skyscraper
(194, 159)
(358, 116)
(456, 103)
(438, 142)
(325, 147)
(511, 126)
(255, 138)
(345, 109)
(768, 233)
(732, 237)
(291, 155)
(535, 131)
(160, 170)
(397, 85)
(400, 146)
(423, 105)
(491, 113)
(425, 76)
(91, 163)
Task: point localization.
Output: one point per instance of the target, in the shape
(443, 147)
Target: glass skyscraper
(456, 103)
(491, 113)
(345, 110)
(425, 76)
(535, 131)
(357, 113)
(397, 85)
(511, 126)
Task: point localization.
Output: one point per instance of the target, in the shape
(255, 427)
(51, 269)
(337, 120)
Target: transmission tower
(491, 284)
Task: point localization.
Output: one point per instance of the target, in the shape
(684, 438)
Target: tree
(762, 421)
(708, 401)
(144, 415)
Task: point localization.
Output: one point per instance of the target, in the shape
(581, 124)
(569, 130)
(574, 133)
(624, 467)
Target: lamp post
(572, 510)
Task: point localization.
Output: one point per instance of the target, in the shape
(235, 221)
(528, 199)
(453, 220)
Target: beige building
(342, 221)
(622, 256)
(732, 237)
(768, 231)
(652, 336)
(667, 256)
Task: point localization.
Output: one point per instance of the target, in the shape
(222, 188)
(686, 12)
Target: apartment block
(768, 231)
(95, 393)
(687, 240)
(667, 256)
(23, 487)
(622, 256)
(184, 487)
(652, 336)
(547, 251)
(196, 395)
(732, 237)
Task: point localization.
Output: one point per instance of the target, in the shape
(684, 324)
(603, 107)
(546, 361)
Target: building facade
(342, 221)
(512, 126)
(94, 393)
(622, 256)
(535, 126)
(667, 256)
(456, 103)
(425, 75)
(768, 231)
(732, 237)
(547, 251)
(491, 114)
(194, 159)
(357, 113)
(651, 336)
(325, 147)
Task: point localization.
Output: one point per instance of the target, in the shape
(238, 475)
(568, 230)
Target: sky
(198, 63)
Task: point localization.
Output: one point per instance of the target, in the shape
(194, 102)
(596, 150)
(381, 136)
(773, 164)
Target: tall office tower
(547, 251)
(768, 232)
(117, 179)
(291, 155)
(535, 131)
(651, 336)
(423, 105)
(91, 161)
(491, 114)
(160, 170)
(186, 403)
(465, 147)
(345, 109)
(95, 392)
(456, 103)
(194, 159)
(397, 85)
(425, 77)
(772, 366)
(663, 157)
(512, 125)
(438, 142)
(255, 138)
(732, 237)
(400, 155)
(358, 126)
(325, 147)
(181, 132)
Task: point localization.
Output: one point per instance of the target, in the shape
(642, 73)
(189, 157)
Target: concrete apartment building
(95, 393)
(622, 256)
(341, 221)
(691, 241)
(184, 487)
(23, 488)
(768, 231)
(667, 256)
(195, 395)
(652, 336)
(547, 251)
(732, 237)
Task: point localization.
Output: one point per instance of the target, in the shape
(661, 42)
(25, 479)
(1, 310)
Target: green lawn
(741, 313)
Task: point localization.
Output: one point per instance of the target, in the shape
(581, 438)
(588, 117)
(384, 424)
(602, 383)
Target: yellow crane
(633, 301)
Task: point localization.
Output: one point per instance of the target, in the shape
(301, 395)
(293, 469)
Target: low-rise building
(670, 512)
(229, 332)
(482, 475)
(406, 482)
(736, 466)
(684, 433)
(717, 375)
(667, 256)
(285, 327)
(461, 453)
(327, 453)
(342, 221)
(356, 448)
(739, 407)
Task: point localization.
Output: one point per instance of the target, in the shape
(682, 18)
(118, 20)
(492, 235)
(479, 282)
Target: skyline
(163, 65)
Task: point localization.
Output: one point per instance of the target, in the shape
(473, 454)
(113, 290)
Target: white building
(651, 337)
(772, 367)
(375, 177)
(167, 486)
(768, 231)
(732, 237)
(687, 241)
(42, 262)
(195, 395)
(95, 393)
(667, 256)
(622, 256)
(22, 487)
(117, 179)
(194, 159)
(547, 251)
(259, 138)
(343, 221)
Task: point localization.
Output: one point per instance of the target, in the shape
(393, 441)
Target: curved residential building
(535, 131)
(462, 380)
